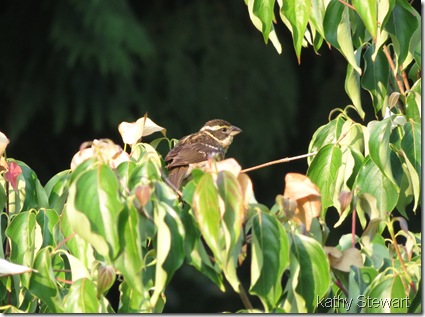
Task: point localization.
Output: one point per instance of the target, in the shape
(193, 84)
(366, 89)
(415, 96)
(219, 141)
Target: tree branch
(284, 160)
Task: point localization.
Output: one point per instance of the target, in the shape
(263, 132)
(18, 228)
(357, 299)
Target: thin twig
(244, 297)
(405, 80)
(65, 240)
(165, 178)
(394, 70)
(347, 5)
(64, 281)
(353, 229)
(284, 160)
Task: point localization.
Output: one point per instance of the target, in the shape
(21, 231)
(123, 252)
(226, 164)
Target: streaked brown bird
(194, 150)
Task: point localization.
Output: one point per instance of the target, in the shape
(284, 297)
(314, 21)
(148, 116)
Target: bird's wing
(185, 153)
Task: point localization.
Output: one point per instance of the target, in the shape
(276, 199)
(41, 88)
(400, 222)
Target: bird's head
(222, 131)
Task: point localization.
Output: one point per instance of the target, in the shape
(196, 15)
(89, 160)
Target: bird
(194, 150)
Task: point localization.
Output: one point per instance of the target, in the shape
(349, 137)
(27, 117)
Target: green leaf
(317, 15)
(130, 261)
(359, 279)
(196, 254)
(367, 9)
(323, 172)
(414, 101)
(370, 180)
(376, 78)
(82, 297)
(403, 23)
(259, 25)
(43, 282)
(314, 277)
(387, 295)
(93, 209)
(48, 219)
(77, 246)
(132, 302)
(379, 146)
(270, 258)
(338, 31)
(411, 144)
(57, 190)
(169, 247)
(25, 240)
(297, 12)
(263, 9)
(207, 213)
(230, 192)
(352, 84)
(326, 134)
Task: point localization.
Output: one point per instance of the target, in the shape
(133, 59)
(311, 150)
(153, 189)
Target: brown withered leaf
(143, 194)
(342, 261)
(301, 189)
(345, 198)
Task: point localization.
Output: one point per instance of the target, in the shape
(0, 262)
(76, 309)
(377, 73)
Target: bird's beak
(235, 130)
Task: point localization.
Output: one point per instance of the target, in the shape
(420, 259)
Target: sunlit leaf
(169, 248)
(206, 206)
(270, 257)
(389, 296)
(82, 297)
(367, 9)
(9, 268)
(323, 172)
(93, 209)
(4, 141)
(297, 12)
(370, 180)
(300, 189)
(43, 282)
(338, 31)
(256, 21)
(263, 9)
(314, 277)
(57, 190)
(352, 84)
(25, 240)
(379, 146)
(344, 260)
(414, 102)
(131, 133)
(130, 261)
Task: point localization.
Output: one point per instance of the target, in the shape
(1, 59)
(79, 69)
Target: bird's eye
(224, 130)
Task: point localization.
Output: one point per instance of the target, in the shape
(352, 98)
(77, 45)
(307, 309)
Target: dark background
(71, 71)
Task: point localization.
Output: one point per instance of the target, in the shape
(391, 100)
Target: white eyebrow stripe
(213, 128)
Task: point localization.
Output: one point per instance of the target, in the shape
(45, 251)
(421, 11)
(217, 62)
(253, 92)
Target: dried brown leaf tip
(304, 196)
(344, 260)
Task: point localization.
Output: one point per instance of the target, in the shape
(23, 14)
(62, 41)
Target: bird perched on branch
(194, 150)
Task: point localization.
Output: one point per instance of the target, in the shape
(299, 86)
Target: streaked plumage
(193, 150)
